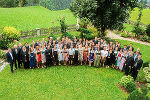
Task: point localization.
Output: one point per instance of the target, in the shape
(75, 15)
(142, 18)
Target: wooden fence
(46, 31)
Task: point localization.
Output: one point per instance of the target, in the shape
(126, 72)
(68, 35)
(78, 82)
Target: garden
(18, 25)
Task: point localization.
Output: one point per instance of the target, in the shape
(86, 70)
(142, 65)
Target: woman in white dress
(60, 54)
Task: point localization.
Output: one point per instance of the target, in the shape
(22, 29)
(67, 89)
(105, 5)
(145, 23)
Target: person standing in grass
(119, 57)
(80, 53)
(128, 64)
(43, 49)
(137, 66)
(55, 55)
(48, 54)
(123, 59)
(76, 62)
(71, 55)
(104, 54)
(112, 58)
(97, 58)
(91, 56)
(65, 55)
(32, 59)
(25, 57)
(38, 57)
(85, 55)
(60, 54)
(15, 56)
(10, 58)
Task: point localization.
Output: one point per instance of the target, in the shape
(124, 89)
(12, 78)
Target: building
(148, 6)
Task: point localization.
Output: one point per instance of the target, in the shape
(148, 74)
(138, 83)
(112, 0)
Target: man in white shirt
(104, 54)
(71, 54)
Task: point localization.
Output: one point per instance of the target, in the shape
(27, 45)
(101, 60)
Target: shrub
(126, 35)
(146, 70)
(68, 35)
(145, 38)
(146, 64)
(2, 55)
(141, 76)
(125, 80)
(138, 95)
(63, 25)
(128, 83)
(84, 22)
(8, 35)
(148, 30)
(131, 86)
(138, 30)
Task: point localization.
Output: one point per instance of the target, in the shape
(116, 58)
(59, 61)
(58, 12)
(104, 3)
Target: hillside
(145, 18)
(29, 18)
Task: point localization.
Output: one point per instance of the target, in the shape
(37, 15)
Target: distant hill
(29, 18)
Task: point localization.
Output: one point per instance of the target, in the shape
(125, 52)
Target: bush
(138, 95)
(131, 86)
(138, 30)
(146, 64)
(125, 80)
(63, 25)
(8, 35)
(128, 83)
(146, 70)
(126, 35)
(148, 30)
(2, 55)
(68, 35)
(141, 76)
(145, 38)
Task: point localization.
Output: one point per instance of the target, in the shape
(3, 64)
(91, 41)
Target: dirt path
(115, 36)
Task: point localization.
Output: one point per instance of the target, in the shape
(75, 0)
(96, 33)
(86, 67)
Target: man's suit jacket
(139, 64)
(9, 58)
(15, 55)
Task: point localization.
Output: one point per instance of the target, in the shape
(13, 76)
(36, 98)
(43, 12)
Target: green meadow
(30, 18)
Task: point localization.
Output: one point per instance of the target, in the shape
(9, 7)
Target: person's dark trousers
(25, 65)
(11, 67)
(19, 63)
(134, 74)
(15, 61)
(126, 70)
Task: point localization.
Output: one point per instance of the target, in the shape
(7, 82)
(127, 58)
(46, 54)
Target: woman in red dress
(38, 57)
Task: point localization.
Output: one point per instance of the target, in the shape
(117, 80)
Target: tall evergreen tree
(104, 14)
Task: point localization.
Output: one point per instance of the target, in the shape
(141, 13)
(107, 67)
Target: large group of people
(97, 52)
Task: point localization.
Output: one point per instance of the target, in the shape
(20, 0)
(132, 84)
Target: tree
(104, 14)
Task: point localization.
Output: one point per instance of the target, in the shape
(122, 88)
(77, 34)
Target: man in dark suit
(137, 66)
(48, 54)
(128, 64)
(19, 55)
(15, 55)
(10, 58)
(25, 57)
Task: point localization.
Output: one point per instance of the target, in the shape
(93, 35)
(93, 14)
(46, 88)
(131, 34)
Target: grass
(144, 49)
(128, 27)
(60, 83)
(29, 18)
(145, 18)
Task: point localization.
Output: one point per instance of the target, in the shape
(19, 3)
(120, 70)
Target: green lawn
(61, 83)
(128, 27)
(145, 18)
(29, 18)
